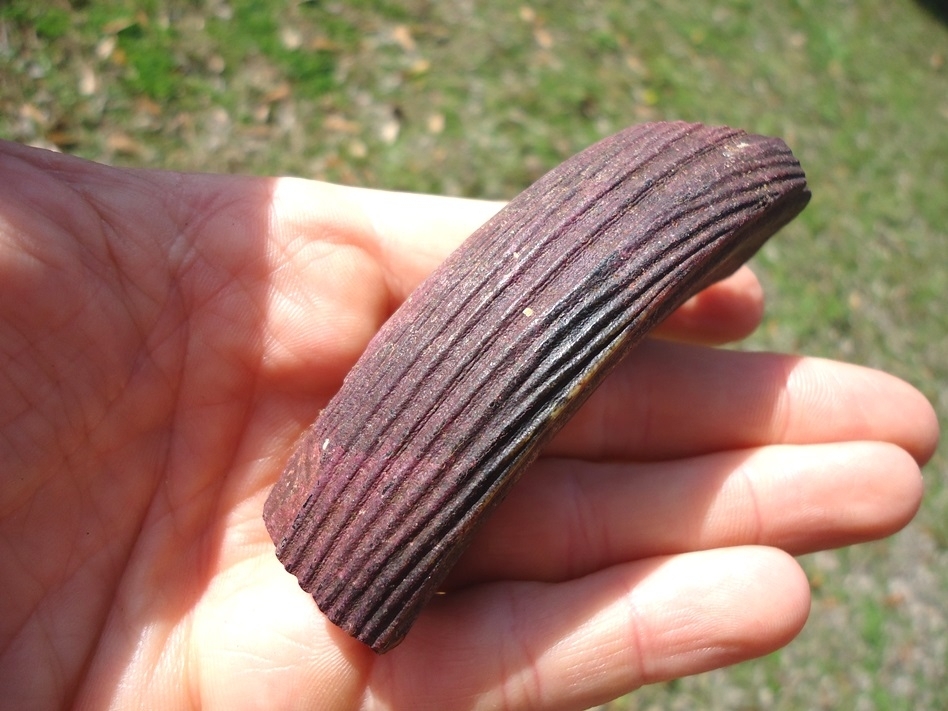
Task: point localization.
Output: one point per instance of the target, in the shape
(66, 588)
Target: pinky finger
(573, 645)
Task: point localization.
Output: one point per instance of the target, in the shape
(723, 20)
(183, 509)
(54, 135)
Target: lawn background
(480, 98)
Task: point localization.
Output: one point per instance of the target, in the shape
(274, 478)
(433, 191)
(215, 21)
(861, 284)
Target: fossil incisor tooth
(457, 392)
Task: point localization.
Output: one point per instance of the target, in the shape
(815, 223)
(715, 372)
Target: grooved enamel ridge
(498, 347)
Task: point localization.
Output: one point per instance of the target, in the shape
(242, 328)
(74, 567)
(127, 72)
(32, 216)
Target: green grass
(480, 99)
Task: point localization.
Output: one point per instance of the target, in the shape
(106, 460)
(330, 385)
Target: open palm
(164, 338)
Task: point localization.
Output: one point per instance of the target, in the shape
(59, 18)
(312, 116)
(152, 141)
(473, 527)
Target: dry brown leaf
(62, 138)
(435, 123)
(389, 130)
(121, 142)
(148, 106)
(543, 38)
(402, 35)
(337, 123)
(33, 113)
(280, 92)
(113, 27)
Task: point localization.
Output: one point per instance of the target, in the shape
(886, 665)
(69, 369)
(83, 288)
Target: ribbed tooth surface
(490, 356)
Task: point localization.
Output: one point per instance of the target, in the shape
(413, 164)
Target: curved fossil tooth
(490, 356)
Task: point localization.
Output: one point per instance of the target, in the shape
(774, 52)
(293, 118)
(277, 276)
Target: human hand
(164, 338)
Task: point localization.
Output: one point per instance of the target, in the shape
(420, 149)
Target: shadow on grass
(937, 9)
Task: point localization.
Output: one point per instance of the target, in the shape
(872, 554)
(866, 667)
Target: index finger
(669, 400)
(414, 233)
